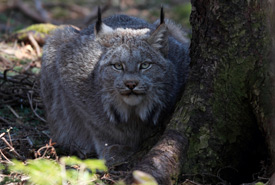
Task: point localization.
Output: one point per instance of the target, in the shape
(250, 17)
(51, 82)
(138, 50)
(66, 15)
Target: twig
(14, 89)
(10, 136)
(35, 44)
(47, 147)
(211, 175)
(15, 44)
(9, 161)
(29, 141)
(15, 124)
(14, 112)
(187, 181)
(34, 111)
(46, 134)
(263, 178)
(11, 148)
(11, 79)
(6, 121)
(108, 178)
(1, 135)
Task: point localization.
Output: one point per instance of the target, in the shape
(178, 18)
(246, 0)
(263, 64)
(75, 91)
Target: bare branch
(30, 94)
(12, 149)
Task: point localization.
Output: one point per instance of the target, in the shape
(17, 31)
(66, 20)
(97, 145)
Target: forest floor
(24, 132)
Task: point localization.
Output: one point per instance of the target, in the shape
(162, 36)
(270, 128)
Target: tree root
(164, 160)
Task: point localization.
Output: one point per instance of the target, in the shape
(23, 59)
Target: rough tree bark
(226, 100)
(270, 128)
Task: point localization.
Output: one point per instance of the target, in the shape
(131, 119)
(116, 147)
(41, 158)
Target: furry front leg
(116, 154)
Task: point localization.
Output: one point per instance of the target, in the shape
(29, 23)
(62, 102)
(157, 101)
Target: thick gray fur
(89, 105)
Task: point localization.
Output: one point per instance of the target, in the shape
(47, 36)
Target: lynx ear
(100, 27)
(159, 38)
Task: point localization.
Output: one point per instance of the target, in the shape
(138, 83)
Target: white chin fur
(132, 100)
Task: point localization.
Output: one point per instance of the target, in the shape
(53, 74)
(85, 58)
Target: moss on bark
(229, 55)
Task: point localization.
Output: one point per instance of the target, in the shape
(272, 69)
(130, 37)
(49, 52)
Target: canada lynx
(107, 88)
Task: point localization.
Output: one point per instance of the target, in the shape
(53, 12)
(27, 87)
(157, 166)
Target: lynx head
(134, 72)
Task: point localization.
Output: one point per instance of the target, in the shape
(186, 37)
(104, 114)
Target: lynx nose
(131, 84)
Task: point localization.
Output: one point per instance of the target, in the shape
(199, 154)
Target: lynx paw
(116, 154)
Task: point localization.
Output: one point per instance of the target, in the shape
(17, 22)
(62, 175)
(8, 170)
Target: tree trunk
(226, 100)
(228, 95)
(270, 128)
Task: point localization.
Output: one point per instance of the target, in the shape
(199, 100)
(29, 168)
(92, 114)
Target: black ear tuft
(101, 28)
(159, 38)
(161, 15)
(99, 21)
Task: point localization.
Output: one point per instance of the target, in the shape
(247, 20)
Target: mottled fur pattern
(107, 91)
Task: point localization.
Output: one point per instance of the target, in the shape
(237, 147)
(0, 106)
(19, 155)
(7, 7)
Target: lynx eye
(145, 65)
(118, 66)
